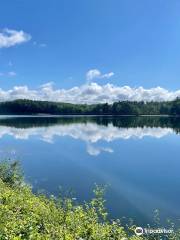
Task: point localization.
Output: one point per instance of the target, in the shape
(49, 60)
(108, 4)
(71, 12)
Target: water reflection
(138, 157)
(90, 130)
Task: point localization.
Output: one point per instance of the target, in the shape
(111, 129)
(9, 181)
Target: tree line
(119, 122)
(24, 106)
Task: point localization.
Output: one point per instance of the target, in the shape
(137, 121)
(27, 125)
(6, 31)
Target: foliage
(23, 106)
(119, 122)
(11, 173)
(26, 216)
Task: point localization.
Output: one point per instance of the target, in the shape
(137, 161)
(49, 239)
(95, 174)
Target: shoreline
(82, 115)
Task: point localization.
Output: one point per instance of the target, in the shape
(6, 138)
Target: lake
(138, 158)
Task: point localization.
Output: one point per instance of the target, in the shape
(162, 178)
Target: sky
(90, 51)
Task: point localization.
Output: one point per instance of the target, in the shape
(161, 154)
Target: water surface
(139, 159)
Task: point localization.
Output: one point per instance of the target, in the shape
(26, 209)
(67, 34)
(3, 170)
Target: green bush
(11, 173)
(24, 215)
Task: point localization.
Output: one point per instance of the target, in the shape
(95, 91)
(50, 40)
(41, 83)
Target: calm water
(139, 159)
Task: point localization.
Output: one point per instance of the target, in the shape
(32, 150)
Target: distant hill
(29, 107)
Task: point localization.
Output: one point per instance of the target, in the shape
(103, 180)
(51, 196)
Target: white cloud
(107, 75)
(89, 93)
(95, 73)
(9, 38)
(47, 85)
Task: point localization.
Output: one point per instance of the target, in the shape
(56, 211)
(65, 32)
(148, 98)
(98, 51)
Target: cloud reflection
(90, 133)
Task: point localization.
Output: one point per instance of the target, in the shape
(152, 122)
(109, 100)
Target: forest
(29, 107)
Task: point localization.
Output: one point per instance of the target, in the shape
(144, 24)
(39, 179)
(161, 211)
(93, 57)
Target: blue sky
(138, 41)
